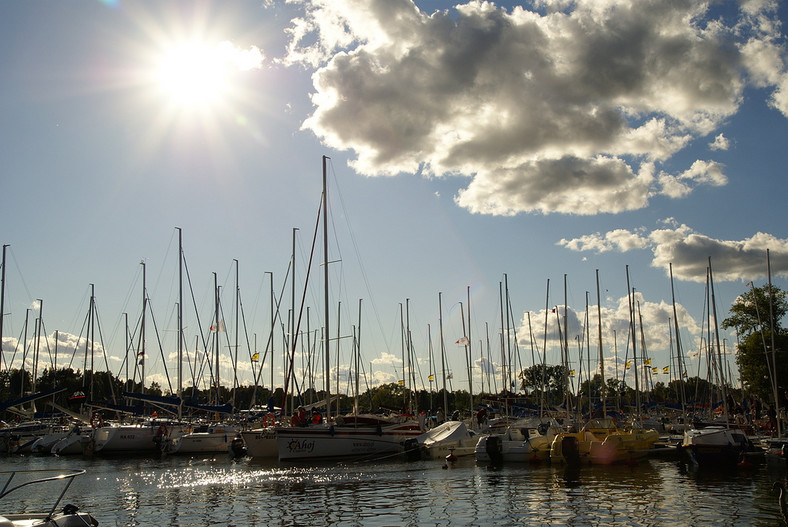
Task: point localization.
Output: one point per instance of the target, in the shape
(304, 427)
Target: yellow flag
(655, 370)
(571, 373)
(666, 369)
(648, 362)
(628, 364)
(255, 357)
(432, 377)
(401, 383)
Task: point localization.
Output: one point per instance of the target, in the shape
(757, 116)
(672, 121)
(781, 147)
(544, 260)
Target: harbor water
(201, 490)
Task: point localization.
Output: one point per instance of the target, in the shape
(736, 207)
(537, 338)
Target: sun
(193, 73)
(196, 73)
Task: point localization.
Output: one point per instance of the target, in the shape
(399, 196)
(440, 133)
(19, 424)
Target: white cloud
(525, 103)
(689, 252)
(242, 59)
(720, 143)
(700, 172)
(615, 324)
(619, 239)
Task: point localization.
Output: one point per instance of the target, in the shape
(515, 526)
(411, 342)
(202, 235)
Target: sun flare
(202, 74)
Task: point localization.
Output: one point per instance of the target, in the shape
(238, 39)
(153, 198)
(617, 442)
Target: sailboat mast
(358, 357)
(772, 327)
(509, 360)
(325, 292)
(142, 328)
(544, 349)
(180, 322)
(411, 382)
(237, 316)
(679, 358)
(37, 347)
(216, 335)
(633, 336)
(402, 337)
(443, 355)
(566, 351)
(503, 350)
(2, 300)
(719, 352)
(92, 339)
(469, 347)
(272, 339)
(601, 353)
(467, 356)
(24, 356)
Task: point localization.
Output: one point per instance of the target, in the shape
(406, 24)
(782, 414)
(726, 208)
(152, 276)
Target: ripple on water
(182, 491)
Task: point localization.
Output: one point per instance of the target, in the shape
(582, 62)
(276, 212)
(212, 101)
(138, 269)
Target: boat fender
(162, 430)
(331, 430)
(379, 430)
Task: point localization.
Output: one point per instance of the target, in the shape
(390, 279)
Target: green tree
(756, 319)
(751, 311)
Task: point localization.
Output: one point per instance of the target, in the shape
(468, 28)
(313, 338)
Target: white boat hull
(261, 443)
(323, 442)
(131, 438)
(216, 440)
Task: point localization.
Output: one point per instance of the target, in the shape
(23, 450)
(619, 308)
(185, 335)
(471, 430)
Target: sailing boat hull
(261, 443)
(337, 442)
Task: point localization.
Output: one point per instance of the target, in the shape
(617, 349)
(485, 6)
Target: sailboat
(351, 436)
(719, 443)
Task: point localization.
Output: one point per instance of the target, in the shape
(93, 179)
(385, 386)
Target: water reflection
(179, 491)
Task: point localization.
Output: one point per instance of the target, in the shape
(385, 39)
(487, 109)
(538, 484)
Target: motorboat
(18, 439)
(200, 439)
(601, 441)
(623, 446)
(715, 445)
(77, 442)
(69, 515)
(451, 437)
(524, 441)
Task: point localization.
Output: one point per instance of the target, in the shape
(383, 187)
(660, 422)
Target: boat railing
(66, 476)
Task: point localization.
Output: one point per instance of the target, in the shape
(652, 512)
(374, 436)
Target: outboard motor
(238, 447)
(412, 449)
(494, 448)
(570, 449)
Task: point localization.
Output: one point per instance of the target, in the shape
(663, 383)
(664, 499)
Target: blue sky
(469, 142)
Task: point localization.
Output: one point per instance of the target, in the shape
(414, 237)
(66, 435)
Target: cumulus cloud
(720, 143)
(654, 319)
(701, 172)
(70, 348)
(689, 252)
(536, 100)
(242, 59)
